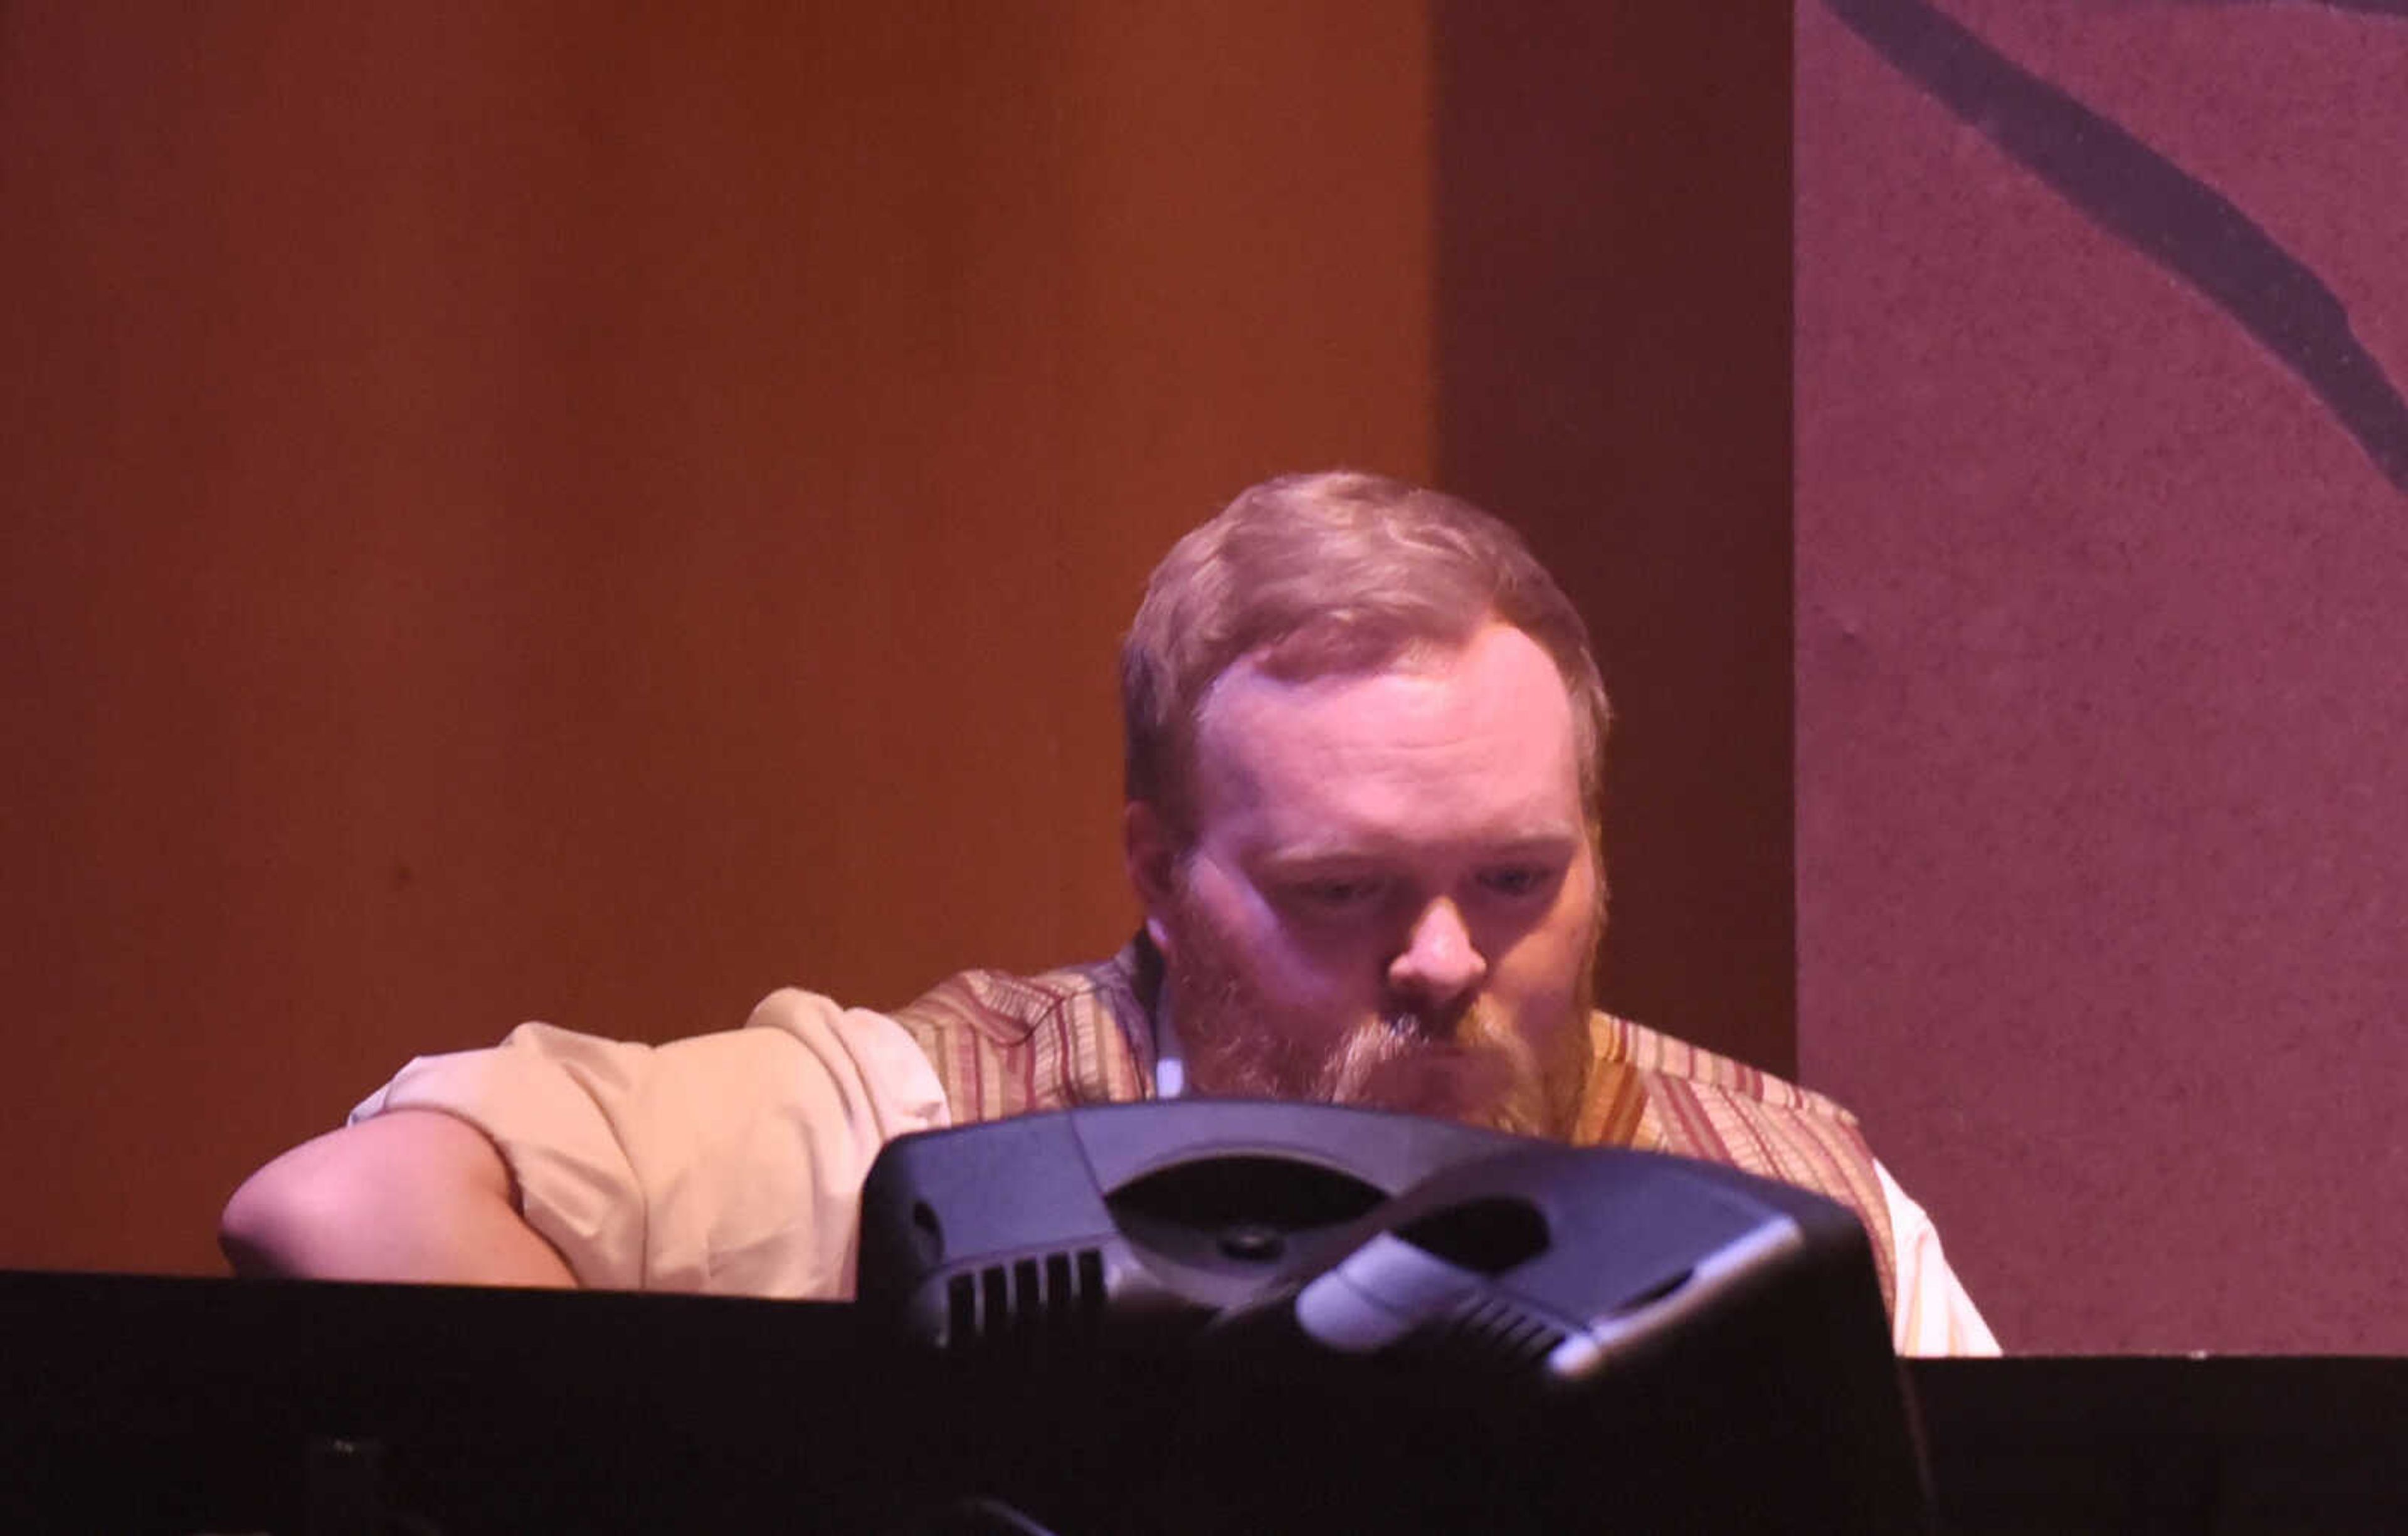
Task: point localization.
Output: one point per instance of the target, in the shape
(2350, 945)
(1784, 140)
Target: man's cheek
(1297, 971)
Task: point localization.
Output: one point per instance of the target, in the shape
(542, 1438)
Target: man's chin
(1476, 1072)
(1477, 1086)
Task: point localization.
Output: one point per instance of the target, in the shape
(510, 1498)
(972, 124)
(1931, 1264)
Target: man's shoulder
(1658, 1054)
(1008, 1008)
(1658, 1092)
(1003, 1044)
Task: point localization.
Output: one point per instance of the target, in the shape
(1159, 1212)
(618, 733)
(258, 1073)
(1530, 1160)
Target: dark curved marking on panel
(2367, 7)
(2151, 205)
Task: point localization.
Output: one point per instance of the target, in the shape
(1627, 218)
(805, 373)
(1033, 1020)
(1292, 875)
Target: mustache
(1470, 1069)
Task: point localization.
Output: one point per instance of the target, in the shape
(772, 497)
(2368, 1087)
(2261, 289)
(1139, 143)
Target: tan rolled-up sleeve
(729, 1163)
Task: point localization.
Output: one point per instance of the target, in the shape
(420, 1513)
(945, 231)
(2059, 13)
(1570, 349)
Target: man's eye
(1337, 892)
(1514, 881)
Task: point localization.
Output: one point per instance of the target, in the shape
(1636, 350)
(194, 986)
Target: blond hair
(1310, 575)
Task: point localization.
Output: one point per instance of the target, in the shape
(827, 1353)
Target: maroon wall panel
(2102, 603)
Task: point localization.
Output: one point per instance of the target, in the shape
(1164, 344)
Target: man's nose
(1439, 963)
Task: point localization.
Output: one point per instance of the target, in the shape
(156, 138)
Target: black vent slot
(1489, 1235)
(1484, 1333)
(1024, 1299)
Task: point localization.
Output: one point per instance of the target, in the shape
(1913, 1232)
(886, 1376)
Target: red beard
(1469, 1065)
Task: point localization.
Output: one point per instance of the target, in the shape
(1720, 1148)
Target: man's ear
(1151, 855)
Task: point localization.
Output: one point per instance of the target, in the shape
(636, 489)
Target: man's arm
(410, 1195)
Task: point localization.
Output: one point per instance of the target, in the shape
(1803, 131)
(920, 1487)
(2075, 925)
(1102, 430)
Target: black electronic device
(1632, 1333)
(1128, 1220)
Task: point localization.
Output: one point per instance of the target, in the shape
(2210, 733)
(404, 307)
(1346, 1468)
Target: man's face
(1390, 899)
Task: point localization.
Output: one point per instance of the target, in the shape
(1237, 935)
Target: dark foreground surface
(145, 1404)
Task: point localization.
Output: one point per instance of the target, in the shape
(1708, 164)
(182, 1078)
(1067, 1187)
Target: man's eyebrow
(1547, 847)
(1290, 857)
(1519, 845)
(1313, 853)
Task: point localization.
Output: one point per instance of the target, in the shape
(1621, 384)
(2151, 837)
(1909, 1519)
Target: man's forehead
(1493, 655)
(1488, 719)
(1279, 666)
(1263, 696)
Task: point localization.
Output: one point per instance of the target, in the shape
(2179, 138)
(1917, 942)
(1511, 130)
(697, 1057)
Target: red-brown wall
(525, 512)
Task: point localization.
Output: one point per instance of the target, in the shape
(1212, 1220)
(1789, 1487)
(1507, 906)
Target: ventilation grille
(1025, 1299)
(1485, 1332)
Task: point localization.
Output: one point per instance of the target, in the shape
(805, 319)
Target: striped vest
(1004, 1044)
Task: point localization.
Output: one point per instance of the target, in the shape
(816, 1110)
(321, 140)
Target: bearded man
(1366, 740)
